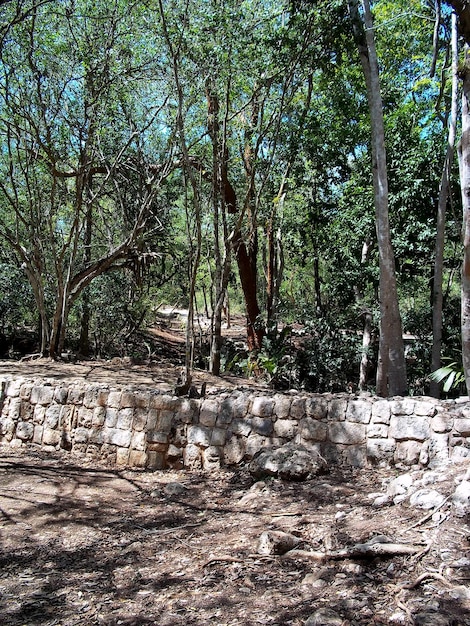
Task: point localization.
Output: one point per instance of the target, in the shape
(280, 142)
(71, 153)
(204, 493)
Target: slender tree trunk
(391, 370)
(437, 296)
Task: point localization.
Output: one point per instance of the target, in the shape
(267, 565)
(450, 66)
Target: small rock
(430, 618)
(312, 580)
(175, 489)
(426, 499)
(290, 462)
(461, 498)
(382, 500)
(399, 485)
(276, 542)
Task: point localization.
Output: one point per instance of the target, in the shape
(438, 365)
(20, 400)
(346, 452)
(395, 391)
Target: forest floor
(82, 543)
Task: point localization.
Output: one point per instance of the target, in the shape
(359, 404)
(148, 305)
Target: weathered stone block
(317, 407)
(262, 407)
(60, 394)
(25, 430)
(138, 440)
(381, 412)
(13, 388)
(75, 395)
(380, 450)
(359, 411)
(200, 435)
(404, 406)
(438, 449)
(90, 398)
(218, 437)
(188, 411)
(95, 435)
(165, 421)
(337, 410)
(156, 460)
(254, 443)
(404, 427)
(142, 399)
(164, 402)
(192, 457)
(225, 414)
(85, 417)
(211, 457)
(427, 408)
(125, 418)
(241, 427)
(344, 432)
(114, 399)
(312, 429)
(297, 408)
(355, 456)
(127, 399)
(116, 437)
(234, 450)
(137, 458)
(37, 435)
(81, 435)
(156, 436)
(50, 437)
(25, 392)
(261, 426)
(39, 414)
(209, 412)
(122, 456)
(99, 416)
(111, 417)
(286, 428)
(282, 406)
(407, 452)
(102, 397)
(42, 395)
(14, 408)
(442, 422)
(7, 426)
(377, 430)
(140, 419)
(462, 426)
(52, 415)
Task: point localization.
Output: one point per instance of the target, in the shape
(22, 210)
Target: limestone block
(178, 435)
(241, 427)
(102, 397)
(42, 395)
(156, 460)
(262, 407)
(404, 427)
(164, 401)
(403, 406)
(99, 416)
(298, 408)
(25, 431)
(211, 457)
(127, 399)
(380, 451)
(428, 408)
(355, 455)
(37, 435)
(381, 412)
(39, 414)
(286, 428)
(140, 419)
(344, 432)
(442, 422)
(142, 399)
(137, 458)
(282, 406)
(14, 408)
(114, 399)
(124, 418)
(138, 440)
(95, 435)
(377, 430)
(122, 456)
(337, 409)
(25, 391)
(239, 405)
(462, 426)
(66, 415)
(7, 427)
(26, 410)
(225, 413)
(199, 435)
(82, 435)
(165, 421)
(254, 443)
(218, 437)
(209, 412)
(50, 436)
(261, 426)
(317, 407)
(152, 418)
(13, 388)
(192, 457)
(359, 411)
(330, 452)
(156, 436)
(174, 452)
(93, 451)
(60, 394)
(90, 398)
(117, 437)
(52, 415)
(111, 417)
(85, 417)
(407, 452)
(438, 449)
(459, 454)
(313, 430)
(234, 450)
(75, 395)
(188, 411)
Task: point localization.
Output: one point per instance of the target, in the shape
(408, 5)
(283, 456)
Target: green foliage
(452, 375)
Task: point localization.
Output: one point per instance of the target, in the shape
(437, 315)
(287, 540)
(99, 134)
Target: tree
(391, 371)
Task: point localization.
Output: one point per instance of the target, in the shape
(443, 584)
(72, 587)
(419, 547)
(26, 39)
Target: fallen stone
(426, 499)
(325, 617)
(290, 462)
(461, 498)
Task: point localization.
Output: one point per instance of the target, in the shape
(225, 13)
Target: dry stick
(235, 559)
(358, 550)
(422, 577)
(428, 516)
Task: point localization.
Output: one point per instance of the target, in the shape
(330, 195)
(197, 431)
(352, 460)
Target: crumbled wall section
(141, 427)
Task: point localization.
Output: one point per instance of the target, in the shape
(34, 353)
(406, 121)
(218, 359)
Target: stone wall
(147, 428)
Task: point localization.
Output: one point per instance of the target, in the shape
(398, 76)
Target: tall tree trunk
(464, 151)
(391, 370)
(437, 295)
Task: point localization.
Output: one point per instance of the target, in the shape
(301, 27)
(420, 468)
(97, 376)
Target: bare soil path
(83, 543)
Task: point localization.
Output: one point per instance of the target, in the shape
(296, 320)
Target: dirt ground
(83, 543)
